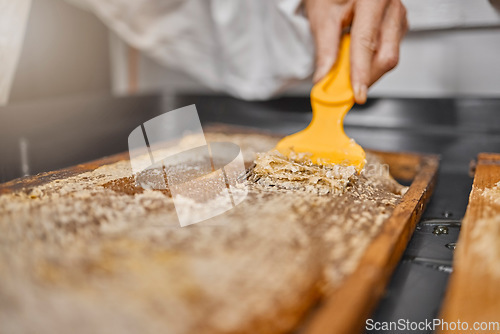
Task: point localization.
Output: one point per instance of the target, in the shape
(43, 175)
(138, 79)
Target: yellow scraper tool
(324, 138)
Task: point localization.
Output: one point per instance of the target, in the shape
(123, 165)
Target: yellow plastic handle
(335, 87)
(324, 139)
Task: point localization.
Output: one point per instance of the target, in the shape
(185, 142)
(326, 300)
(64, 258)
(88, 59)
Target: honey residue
(298, 172)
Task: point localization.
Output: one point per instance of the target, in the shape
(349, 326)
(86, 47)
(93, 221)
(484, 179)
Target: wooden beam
(473, 293)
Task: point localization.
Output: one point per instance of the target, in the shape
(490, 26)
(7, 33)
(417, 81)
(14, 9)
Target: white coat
(251, 49)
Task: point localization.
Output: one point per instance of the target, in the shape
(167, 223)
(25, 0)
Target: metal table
(53, 134)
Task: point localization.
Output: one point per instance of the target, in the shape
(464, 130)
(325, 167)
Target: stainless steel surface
(52, 134)
(55, 134)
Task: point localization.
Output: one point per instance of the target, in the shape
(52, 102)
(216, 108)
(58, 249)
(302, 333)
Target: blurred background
(452, 49)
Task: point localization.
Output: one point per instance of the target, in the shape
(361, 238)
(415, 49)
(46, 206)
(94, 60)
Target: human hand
(377, 27)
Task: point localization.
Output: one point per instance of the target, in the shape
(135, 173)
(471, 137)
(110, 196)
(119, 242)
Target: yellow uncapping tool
(324, 138)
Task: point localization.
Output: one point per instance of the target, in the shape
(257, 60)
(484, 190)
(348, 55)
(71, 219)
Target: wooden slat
(347, 309)
(46, 177)
(474, 291)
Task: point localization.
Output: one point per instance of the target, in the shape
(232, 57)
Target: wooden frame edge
(346, 309)
(465, 300)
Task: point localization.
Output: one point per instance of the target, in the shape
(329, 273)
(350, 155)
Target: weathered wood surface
(473, 293)
(347, 308)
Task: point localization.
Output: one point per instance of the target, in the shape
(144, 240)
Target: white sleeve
(13, 18)
(252, 49)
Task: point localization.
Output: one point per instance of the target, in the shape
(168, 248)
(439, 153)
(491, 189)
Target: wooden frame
(46, 177)
(473, 293)
(347, 308)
